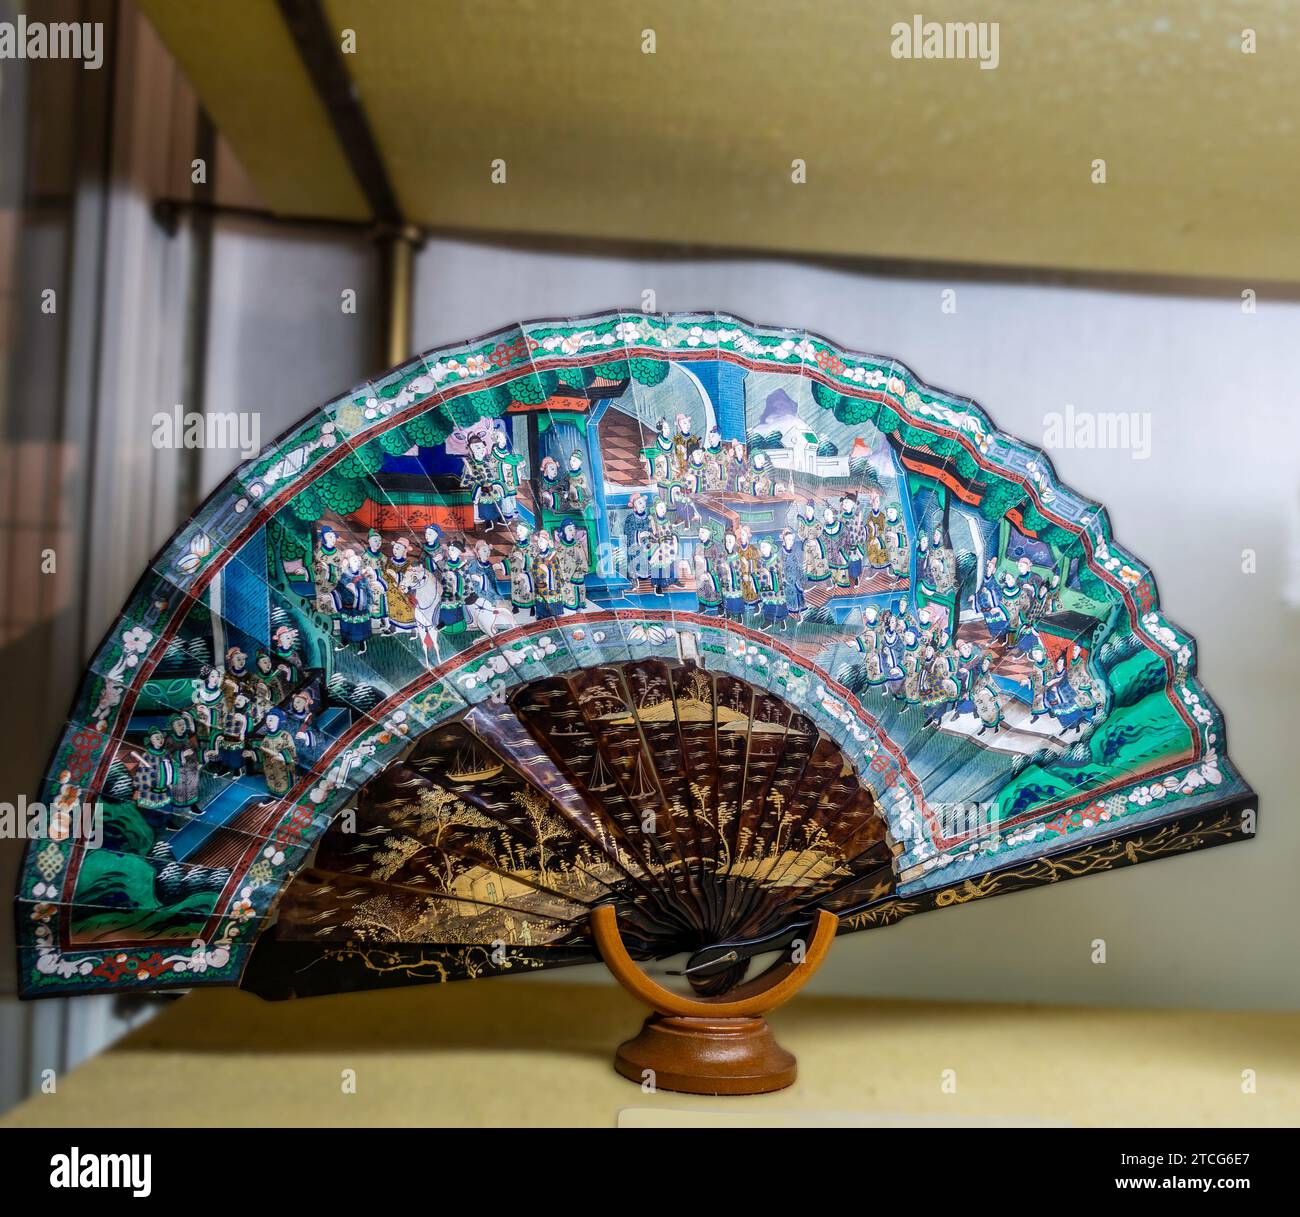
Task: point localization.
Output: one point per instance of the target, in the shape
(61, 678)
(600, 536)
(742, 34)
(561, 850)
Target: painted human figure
(685, 442)
(808, 528)
(326, 567)
(867, 641)
(278, 755)
(237, 672)
(480, 474)
(507, 473)
(300, 718)
(738, 468)
(572, 548)
(660, 459)
(393, 610)
(352, 600)
(230, 744)
(1009, 600)
(697, 473)
(379, 622)
(1020, 618)
(891, 655)
(266, 683)
(154, 775)
(731, 574)
(207, 700)
(923, 566)
(376, 563)
(967, 668)
(931, 627)
(896, 543)
(480, 572)
(943, 564)
(855, 537)
(913, 661)
(715, 469)
(750, 559)
(940, 691)
(760, 481)
(187, 762)
(987, 698)
(554, 489)
(284, 649)
(636, 527)
(792, 574)
(1039, 677)
(431, 555)
(517, 567)
(708, 588)
(577, 494)
(771, 588)
(1059, 696)
(548, 576)
(877, 522)
(837, 549)
(455, 590)
(1046, 600)
(1087, 695)
(661, 542)
(988, 601)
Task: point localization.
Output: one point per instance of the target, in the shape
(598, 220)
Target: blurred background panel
(939, 160)
(349, 149)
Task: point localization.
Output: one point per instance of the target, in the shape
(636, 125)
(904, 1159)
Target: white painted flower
(627, 331)
(136, 640)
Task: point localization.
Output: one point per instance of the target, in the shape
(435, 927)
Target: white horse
(428, 590)
(488, 615)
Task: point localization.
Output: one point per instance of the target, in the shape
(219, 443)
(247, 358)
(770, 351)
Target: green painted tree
(999, 497)
(649, 372)
(529, 390)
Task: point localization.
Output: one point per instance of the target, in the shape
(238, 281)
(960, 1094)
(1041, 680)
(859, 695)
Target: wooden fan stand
(719, 1045)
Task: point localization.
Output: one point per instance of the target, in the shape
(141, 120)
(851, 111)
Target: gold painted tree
(545, 825)
(439, 811)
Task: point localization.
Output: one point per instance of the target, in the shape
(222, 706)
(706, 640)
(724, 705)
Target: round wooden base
(702, 1055)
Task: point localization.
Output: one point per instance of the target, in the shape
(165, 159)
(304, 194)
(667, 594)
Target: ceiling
(934, 160)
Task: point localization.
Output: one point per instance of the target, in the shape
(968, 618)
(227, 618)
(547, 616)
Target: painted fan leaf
(718, 623)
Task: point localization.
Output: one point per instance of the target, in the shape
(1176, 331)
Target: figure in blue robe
(352, 600)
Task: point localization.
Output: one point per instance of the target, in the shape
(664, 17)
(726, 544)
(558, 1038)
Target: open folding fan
(625, 638)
